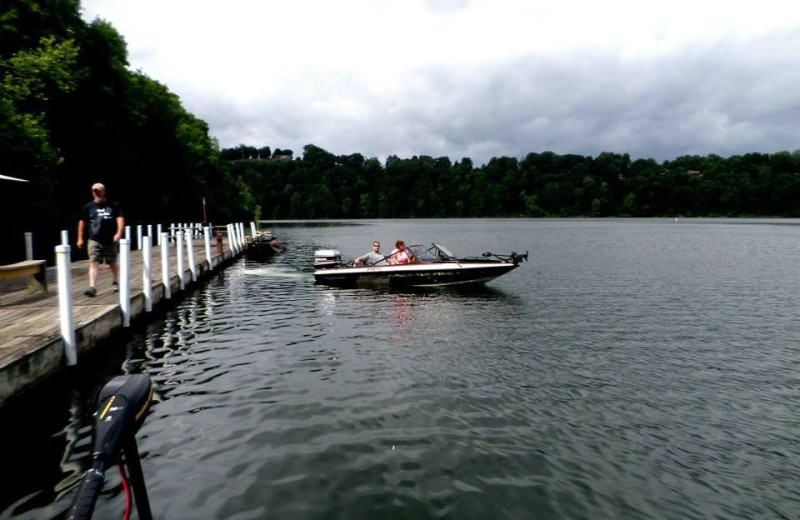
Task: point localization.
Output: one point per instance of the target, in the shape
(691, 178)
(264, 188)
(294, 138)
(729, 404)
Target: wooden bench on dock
(36, 270)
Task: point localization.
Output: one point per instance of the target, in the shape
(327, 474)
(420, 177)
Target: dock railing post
(231, 239)
(65, 304)
(172, 231)
(28, 245)
(139, 237)
(165, 264)
(207, 238)
(147, 274)
(238, 228)
(190, 251)
(179, 253)
(125, 281)
(127, 232)
(158, 234)
(238, 237)
(235, 229)
(252, 231)
(64, 237)
(241, 233)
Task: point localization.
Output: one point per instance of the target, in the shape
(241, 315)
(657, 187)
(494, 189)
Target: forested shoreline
(323, 185)
(72, 113)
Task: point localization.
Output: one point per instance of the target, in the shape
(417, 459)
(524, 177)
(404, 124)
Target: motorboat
(264, 245)
(431, 267)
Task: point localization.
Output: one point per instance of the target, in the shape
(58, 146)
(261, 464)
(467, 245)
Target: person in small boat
(401, 255)
(374, 257)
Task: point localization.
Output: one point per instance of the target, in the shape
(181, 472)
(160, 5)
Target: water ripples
(629, 371)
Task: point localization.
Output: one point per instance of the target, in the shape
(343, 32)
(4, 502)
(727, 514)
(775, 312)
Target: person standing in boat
(374, 257)
(401, 255)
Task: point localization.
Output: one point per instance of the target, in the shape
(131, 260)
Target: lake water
(632, 369)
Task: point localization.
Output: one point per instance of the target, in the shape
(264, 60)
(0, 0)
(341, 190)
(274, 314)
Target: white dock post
(207, 237)
(158, 235)
(231, 239)
(127, 232)
(241, 234)
(65, 304)
(252, 231)
(190, 254)
(147, 274)
(125, 280)
(165, 264)
(237, 229)
(179, 252)
(28, 245)
(172, 232)
(150, 234)
(139, 237)
(64, 237)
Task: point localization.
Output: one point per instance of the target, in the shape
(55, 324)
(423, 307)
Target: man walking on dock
(105, 229)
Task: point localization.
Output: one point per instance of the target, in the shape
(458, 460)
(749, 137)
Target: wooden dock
(31, 347)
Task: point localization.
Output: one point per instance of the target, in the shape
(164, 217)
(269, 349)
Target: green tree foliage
(322, 185)
(72, 113)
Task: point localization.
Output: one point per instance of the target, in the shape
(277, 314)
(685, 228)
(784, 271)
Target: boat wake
(280, 272)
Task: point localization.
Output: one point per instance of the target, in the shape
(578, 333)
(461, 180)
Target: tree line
(73, 113)
(323, 185)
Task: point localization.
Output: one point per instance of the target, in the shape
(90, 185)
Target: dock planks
(31, 348)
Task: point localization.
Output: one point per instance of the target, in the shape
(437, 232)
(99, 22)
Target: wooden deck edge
(36, 365)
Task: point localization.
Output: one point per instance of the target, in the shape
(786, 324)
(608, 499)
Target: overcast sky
(477, 78)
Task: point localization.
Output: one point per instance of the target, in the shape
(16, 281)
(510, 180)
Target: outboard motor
(121, 408)
(327, 258)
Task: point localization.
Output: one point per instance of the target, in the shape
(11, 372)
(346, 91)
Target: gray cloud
(726, 97)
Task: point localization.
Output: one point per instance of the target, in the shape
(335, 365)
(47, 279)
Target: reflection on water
(631, 370)
(400, 318)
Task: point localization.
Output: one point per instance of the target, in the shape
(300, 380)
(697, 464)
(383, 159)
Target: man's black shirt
(102, 218)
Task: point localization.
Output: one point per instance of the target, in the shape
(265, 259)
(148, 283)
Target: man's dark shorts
(99, 253)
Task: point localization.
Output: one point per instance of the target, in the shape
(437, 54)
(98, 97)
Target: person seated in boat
(401, 255)
(374, 257)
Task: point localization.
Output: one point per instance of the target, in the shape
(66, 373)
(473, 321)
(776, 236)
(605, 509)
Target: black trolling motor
(121, 408)
(514, 258)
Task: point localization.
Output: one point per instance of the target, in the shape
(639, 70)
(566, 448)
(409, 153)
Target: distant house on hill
(251, 153)
(282, 155)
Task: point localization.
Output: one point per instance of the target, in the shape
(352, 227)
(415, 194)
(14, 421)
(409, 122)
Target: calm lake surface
(632, 369)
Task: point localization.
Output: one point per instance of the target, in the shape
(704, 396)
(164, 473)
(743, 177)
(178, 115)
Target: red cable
(124, 477)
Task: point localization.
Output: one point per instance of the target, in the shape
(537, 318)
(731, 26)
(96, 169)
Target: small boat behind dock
(264, 245)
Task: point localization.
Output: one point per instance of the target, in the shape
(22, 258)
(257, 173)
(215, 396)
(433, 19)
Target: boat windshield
(435, 253)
